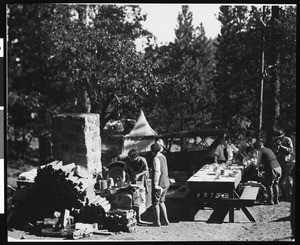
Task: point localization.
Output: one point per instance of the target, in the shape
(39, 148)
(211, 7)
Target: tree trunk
(275, 79)
(260, 119)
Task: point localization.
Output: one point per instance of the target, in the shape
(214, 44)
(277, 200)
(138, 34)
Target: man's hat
(133, 153)
(278, 134)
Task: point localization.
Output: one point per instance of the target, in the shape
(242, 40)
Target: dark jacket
(268, 159)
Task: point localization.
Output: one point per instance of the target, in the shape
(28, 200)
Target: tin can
(103, 184)
(110, 182)
(217, 173)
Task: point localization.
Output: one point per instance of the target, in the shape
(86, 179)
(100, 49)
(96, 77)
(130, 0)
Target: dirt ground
(272, 224)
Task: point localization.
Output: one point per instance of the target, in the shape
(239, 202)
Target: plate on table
(231, 175)
(210, 173)
(226, 175)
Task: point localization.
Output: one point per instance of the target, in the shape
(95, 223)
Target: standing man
(137, 168)
(160, 185)
(283, 149)
(267, 160)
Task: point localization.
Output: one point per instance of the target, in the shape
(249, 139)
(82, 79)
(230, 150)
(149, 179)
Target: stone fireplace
(76, 139)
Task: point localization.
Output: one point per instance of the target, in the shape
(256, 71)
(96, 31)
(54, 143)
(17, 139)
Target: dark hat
(278, 134)
(155, 147)
(133, 153)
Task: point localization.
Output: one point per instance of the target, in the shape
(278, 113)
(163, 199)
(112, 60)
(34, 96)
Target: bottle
(217, 173)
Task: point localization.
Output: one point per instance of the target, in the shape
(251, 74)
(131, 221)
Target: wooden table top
(205, 178)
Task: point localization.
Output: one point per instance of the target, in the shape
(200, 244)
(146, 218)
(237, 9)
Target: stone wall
(76, 139)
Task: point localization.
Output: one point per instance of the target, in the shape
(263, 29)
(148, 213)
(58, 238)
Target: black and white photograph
(150, 122)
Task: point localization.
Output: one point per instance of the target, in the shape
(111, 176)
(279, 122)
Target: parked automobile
(186, 151)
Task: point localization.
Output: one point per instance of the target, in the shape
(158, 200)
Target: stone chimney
(76, 139)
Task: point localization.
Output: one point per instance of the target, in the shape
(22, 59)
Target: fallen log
(66, 232)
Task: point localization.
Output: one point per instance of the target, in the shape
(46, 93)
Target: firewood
(56, 214)
(85, 226)
(82, 229)
(55, 163)
(68, 168)
(50, 222)
(123, 212)
(97, 199)
(81, 172)
(63, 219)
(106, 208)
(57, 233)
(101, 203)
(102, 232)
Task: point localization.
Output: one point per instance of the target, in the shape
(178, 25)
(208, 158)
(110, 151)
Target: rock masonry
(76, 139)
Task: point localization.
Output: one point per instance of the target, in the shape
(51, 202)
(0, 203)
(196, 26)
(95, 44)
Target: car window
(189, 143)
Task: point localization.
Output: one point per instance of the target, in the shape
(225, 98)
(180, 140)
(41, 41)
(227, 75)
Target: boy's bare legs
(164, 213)
(156, 214)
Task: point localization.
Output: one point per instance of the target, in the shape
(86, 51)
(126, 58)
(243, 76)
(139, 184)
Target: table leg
(192, 206)
(231, 208)
(237, 195)
(248, 214)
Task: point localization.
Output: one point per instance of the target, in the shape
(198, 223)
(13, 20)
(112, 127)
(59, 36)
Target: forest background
(82, 58)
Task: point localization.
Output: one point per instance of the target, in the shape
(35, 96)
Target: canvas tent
(140, 137)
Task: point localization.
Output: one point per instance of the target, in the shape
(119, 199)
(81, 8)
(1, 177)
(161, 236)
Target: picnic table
(205, 181)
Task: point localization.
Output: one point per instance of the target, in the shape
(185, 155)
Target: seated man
(232, 150)
(225, 151)
(221, 154)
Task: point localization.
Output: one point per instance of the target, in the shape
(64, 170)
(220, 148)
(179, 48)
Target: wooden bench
(177, 205)
(181, 192)
(246, 199)
(250, 193)
(222, 205)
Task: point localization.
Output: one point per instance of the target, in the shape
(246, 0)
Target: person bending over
(267, 160)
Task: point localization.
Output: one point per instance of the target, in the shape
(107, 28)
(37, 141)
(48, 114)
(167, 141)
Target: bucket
(103, 184)
(110, 183)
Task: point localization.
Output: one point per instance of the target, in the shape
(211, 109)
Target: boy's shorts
(273, 176)
(156, 198)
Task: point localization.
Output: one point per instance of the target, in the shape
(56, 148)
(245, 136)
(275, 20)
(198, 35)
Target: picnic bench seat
(246, 199)
(181, 192)
(223, 204)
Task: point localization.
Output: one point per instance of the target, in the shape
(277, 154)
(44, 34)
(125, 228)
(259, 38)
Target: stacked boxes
(121, 220)
(76, 138)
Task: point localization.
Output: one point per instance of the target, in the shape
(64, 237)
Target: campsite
(114, 133)
(268, 220)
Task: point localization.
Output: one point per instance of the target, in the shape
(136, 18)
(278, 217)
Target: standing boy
(160, 185)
